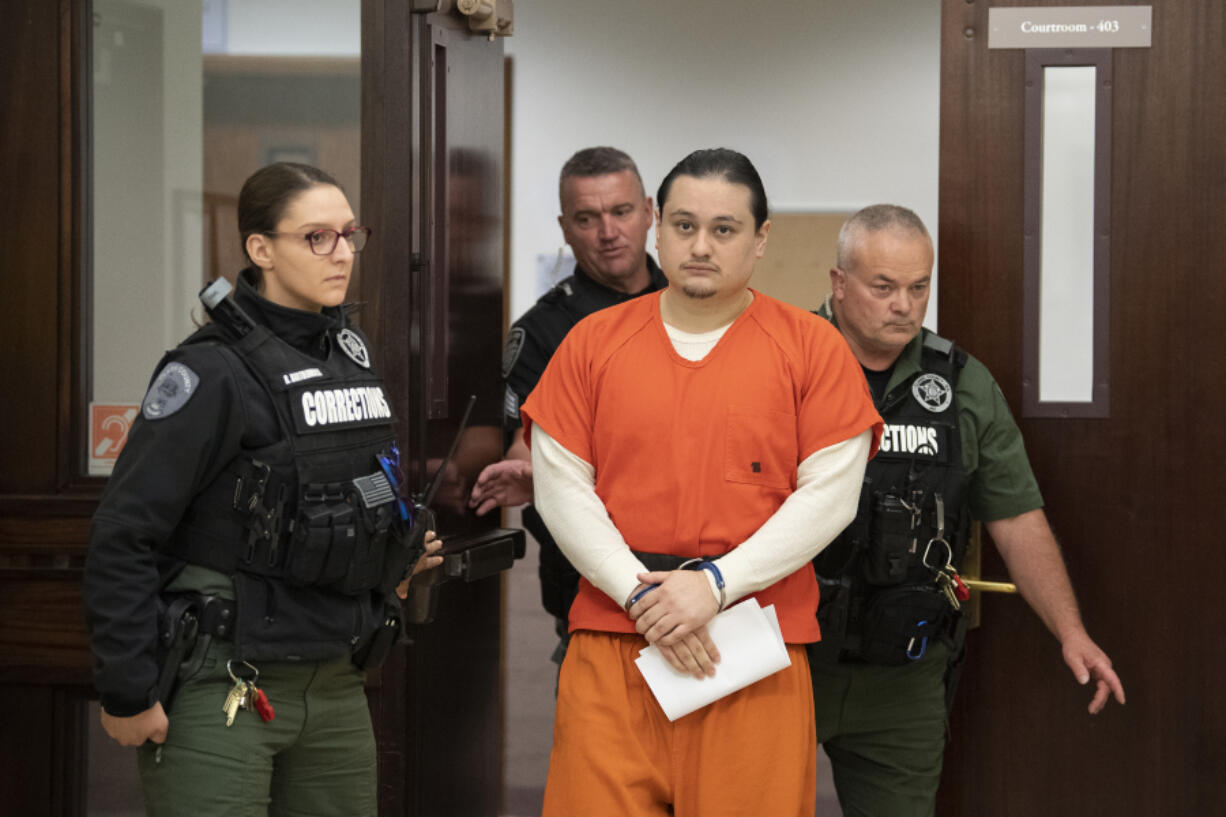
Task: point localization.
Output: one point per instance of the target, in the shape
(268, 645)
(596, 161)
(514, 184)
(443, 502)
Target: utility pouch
(374, 652)
(893, 541)
(341, 539)
(379, 524)
(324, 538)
(834, 608)
(900, 622)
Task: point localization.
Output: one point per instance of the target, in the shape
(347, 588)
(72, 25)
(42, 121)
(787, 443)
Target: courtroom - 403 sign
(1070, 27)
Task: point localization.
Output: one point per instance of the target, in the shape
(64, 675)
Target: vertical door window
(1067, 234)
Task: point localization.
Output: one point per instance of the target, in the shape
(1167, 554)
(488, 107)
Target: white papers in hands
(750, 646)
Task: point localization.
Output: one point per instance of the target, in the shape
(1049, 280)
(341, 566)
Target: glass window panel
(1066, 288)
(189, 97)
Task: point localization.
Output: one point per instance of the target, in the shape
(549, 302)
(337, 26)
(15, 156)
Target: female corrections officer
(242, 560)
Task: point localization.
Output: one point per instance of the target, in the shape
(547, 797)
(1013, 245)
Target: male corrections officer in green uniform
(951, 452)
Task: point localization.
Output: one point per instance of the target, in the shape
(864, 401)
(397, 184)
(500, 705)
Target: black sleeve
(164, 463)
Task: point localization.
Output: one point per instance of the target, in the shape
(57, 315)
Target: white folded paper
(750, 648)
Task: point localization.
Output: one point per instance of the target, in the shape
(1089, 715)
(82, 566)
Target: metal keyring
(235, 678)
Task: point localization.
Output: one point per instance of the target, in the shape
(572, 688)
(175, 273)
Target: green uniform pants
(316, 757)
(883, 729)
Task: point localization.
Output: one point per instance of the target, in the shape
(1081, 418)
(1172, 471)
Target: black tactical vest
(304, 525)
(877, 577)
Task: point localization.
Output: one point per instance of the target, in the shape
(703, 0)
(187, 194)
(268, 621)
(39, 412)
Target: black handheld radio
(223, 309)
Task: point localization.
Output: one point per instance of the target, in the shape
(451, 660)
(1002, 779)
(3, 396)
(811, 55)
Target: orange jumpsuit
(690, 458)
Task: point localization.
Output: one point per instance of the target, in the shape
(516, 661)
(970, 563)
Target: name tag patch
(339, 408)
(290, 378)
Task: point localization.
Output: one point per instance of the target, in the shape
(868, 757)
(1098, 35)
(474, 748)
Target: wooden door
(1133, 496)
(432, 168)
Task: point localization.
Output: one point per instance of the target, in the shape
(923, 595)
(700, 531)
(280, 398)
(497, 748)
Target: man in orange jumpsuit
(706, 422)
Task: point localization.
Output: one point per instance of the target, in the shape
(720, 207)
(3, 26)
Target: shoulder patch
(171, 390)
(510, 352)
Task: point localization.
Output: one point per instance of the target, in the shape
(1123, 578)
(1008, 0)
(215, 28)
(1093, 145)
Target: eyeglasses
(324, 241)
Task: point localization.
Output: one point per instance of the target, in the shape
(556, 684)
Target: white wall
(836, 103)
(318, 28)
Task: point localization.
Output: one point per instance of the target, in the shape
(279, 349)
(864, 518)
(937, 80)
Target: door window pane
(1066, 289)
(188, 99)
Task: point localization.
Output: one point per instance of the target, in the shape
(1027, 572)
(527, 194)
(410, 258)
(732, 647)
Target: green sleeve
(1001, 482)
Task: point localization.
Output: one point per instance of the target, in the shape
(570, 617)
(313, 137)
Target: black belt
(655, 562)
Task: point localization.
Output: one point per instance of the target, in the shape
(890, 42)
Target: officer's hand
(1087, 661)
(680, 605)
(694, 654)
(427, 560)
(136, 729)
(506, 483)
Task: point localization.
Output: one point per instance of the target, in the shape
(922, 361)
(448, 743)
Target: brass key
(234, 701)
(241, 693)
(945, 579)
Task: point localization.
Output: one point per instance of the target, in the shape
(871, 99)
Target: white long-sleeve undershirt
(828, 485)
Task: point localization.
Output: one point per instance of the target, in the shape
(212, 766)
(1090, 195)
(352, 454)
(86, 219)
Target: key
(245, 702)
(234, 701)
(945, 580)
(242, 693)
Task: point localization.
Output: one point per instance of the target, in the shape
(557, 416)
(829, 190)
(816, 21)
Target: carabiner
(923, 645)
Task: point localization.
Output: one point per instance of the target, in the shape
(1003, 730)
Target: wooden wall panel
(44, 660)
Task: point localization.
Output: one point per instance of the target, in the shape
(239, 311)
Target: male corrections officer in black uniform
(606, 214)
(951, 452)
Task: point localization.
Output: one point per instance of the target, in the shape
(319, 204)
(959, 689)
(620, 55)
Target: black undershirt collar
(877, 381)
(305, 331)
